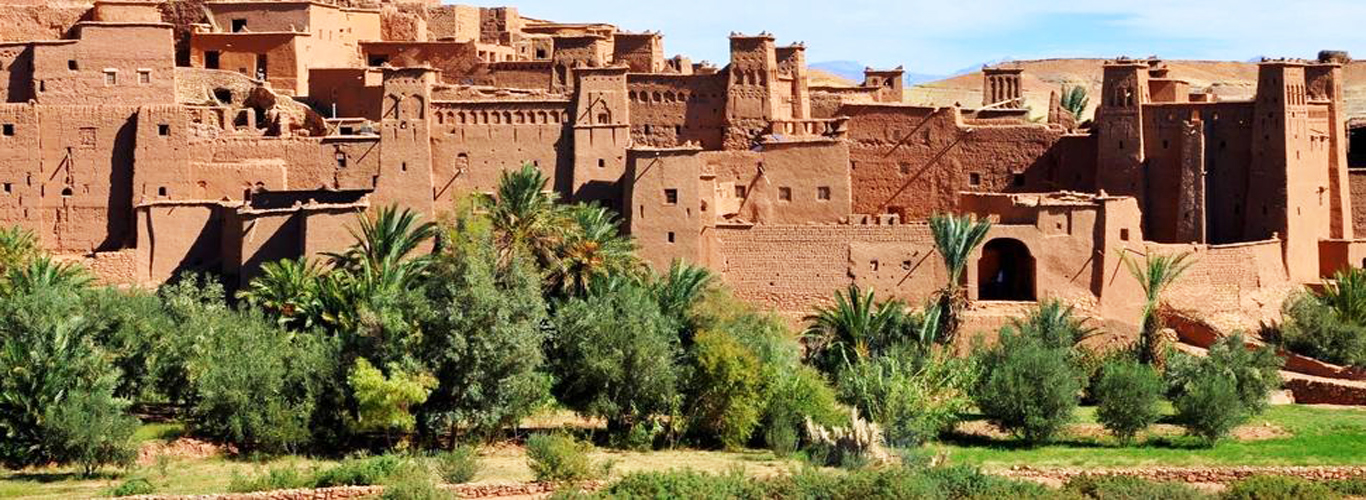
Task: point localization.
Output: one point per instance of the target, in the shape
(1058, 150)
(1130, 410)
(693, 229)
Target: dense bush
(559, 457)
(1027, 387)
(1313, 328)
(382, 403)
(793, 397)
(1276, 488)
(56, 397)
(615, 357)
(360, 471)
(275, 478)
(133, 487)
(1210, 408)
(484, 338)
(725, 390)
(92, 429)
(1128, 396)
(912, 398)
(1129, 488)
(935, 483)
(254, 385)
(457, 466)
(1352, 487)
(413, 482)
(1215, 394)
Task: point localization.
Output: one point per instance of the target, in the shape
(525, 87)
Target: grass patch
(1318, 436)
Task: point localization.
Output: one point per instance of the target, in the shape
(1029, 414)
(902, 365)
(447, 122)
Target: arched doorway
(1006, 271)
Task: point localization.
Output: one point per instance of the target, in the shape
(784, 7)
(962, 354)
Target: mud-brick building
(286, 119)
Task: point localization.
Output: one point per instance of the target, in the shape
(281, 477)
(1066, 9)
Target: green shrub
(615, 357)
(912, 398)
(91, 429)
(1027, 387)
(275, 478)
(1130, 488)
(56, 395)
(133, 487)
(1352, 487)
(1210, 408)
(255, 384)
(684, 484)
(484, 339)
(383, 402)
(559, 457)
(1215, 394)
(413, 482)
(1312, 328)
(1276, 488)
(935, 483)
(1128, 395)
(725, 389)
(459, 465)
(359, 471)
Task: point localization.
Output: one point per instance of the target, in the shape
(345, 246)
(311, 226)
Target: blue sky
(943, 36)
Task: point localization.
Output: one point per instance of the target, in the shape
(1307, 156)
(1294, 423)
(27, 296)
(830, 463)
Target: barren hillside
(1229, 80)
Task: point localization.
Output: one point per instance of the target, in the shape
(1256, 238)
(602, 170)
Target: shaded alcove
(1006, 271)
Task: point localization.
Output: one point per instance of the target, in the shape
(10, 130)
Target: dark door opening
(211, 59)
(1006, 271)
(262, 61)
(1356, 147)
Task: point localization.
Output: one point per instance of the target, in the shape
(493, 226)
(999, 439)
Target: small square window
(905, 168)
(144, 77)
(163, 130)
(1019, 180)
(1124, 234)
(823, 193)
(739, 191)
(111, 77)
(974, 179)
(161, 191)
(73, 65)
(671, 196)
(784, 194)
(8, 129)
(671, 236)
(239, 25)
(602, 163)
(9, 187)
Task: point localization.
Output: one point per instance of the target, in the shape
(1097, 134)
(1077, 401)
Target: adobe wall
(174, 237)
(670, 110)
(21, 172)
(536, 75)
(1232, 287)
(915, 160)
(459, 23)
(85, 189)
(784, 183)
(109, 63)
(473, 142)
(25, 20)
(668, 228)
(240, 52)
(1357, 182)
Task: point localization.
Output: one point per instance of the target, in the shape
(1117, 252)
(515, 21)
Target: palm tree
(18, 246)
(387, 240)
(288, 289)
(855, 328)
(1159, 272)
(524, 215)
(1346, 295)
(1074, 100)
(682, 287)
(43, 273)
(1054, 323)
(592, 248)
(956, 238)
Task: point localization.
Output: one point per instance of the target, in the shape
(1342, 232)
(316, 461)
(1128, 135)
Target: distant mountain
(853, 71)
